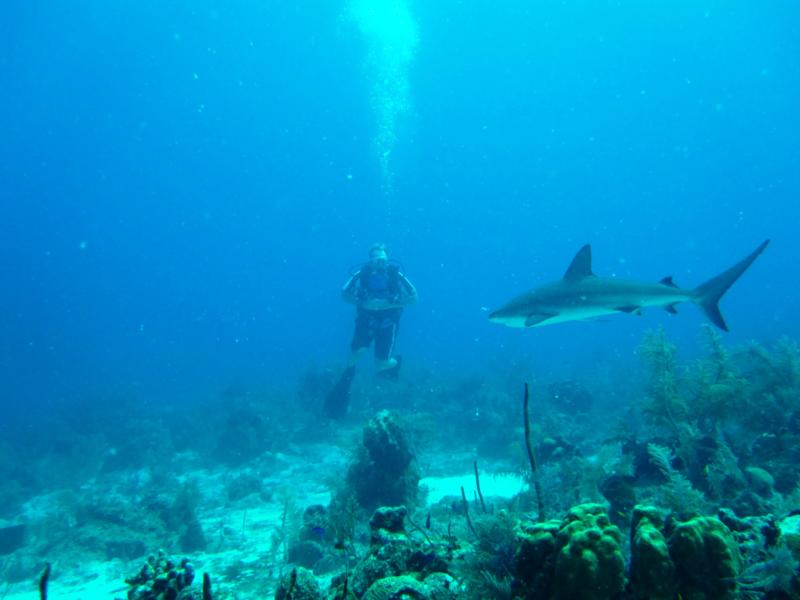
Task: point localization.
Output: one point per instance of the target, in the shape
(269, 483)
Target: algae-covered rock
(790, 534)
(368, 571)
(306, 553)
(652, 569)
(299, 584)
(392, 553)
(590, 564)
(402, 587)
(387, 524)
(437, 586)
(706, 559)
(756, 537)
(760, 481)
(441, 586)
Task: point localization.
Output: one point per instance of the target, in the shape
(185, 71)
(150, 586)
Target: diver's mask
(378, 258)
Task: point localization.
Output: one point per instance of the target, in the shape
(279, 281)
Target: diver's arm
(350, 291)
(408, 293)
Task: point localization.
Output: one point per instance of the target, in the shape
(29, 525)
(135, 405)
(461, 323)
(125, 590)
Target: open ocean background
(186, 186)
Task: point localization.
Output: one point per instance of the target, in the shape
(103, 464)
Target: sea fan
(774, 574)
(678, 493)
(681, 497)
(661, 457)
(496, 587)
(724, 467)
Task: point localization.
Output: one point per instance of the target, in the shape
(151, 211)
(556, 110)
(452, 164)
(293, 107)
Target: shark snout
(497, 316)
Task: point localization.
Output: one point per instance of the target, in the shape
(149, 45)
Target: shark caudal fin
(708, 294)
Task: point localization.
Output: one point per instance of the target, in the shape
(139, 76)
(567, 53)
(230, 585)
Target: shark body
(581, 294)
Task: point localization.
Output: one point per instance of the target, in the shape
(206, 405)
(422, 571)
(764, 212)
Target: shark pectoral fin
(629, 309)
(668, 281)
(670, 308)
(537, 318)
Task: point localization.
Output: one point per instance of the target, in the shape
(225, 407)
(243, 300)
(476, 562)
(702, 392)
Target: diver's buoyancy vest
(380, 283)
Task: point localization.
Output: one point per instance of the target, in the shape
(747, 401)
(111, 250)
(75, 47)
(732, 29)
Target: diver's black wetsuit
(380, 326)
(380, 293)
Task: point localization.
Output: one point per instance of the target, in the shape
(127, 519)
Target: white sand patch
(239, 535)
(101, 580)
(502, 485)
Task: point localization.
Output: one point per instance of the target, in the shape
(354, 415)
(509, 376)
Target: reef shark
(581, 294)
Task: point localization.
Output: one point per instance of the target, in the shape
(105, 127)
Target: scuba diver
(380, 291)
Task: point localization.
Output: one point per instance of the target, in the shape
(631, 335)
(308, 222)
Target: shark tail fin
(708, 294)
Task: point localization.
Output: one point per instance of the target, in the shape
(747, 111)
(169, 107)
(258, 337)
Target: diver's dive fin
(392, 373)
(337, 399)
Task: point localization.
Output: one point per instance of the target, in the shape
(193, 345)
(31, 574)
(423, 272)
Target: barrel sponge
(535, 557)
(652, 569)
(536, 545)
(706, 559)
(590, 564)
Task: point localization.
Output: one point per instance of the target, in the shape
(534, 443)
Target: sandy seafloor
(239, 537)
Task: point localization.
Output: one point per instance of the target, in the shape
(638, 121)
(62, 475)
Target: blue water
(186, 186)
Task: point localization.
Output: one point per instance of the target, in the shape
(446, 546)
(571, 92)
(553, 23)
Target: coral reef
(535, 557)
(161, 578)
(299, 584)
(589, 564)
(312, 539)
(383, 473)
(579, 556)
(790, 533)
(706, 558)
(700, 490)
(387, 525)
(652, 571)
(398, 566)
(12, 538)
(665, 405)
(390, 549)
(620, 492)
(403, 587)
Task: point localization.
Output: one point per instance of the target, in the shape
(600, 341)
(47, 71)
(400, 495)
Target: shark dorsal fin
(668, 281)
(581, 265)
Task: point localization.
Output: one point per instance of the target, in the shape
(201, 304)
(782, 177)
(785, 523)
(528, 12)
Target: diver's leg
(386, 364)
(355, 356)
(390, 369)
(363, 335)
